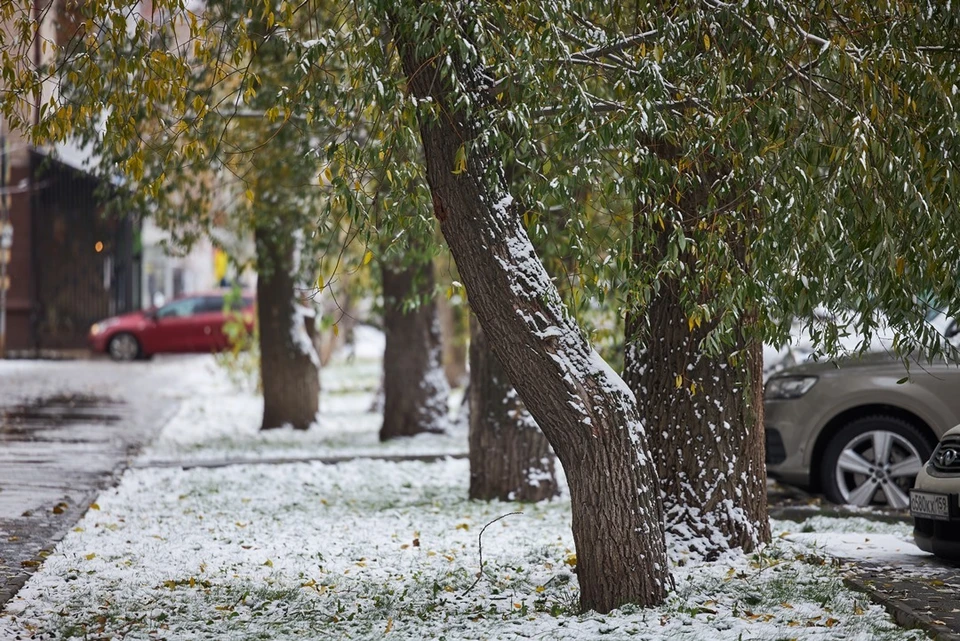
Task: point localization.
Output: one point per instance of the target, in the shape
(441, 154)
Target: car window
(210, 304)
(179, 308)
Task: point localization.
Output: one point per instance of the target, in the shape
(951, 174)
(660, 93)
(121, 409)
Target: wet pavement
(67, 430)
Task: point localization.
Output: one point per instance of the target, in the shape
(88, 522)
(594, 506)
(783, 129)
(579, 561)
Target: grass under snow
(371, 550)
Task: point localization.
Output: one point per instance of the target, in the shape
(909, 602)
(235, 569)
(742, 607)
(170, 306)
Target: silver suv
(855, 429)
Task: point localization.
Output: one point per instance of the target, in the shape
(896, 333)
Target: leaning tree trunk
(415, 390)
(510, 459)
(584, 409)
(289, 365)
(704, 413)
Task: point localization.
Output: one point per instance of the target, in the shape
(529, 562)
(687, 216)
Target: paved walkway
(67, 430)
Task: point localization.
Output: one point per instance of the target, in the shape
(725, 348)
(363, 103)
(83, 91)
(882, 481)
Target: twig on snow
(480, 545)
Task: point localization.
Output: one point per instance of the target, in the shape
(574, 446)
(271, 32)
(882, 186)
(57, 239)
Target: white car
(933, 500)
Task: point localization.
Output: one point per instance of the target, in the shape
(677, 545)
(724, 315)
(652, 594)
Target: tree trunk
(704, 413)
(416, 394)
(583, 407)
(510, 459)
(706, 435)
(289, 366)
(453, 330)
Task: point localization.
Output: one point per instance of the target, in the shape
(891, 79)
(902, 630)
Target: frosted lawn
(218, 420)
(370, 550)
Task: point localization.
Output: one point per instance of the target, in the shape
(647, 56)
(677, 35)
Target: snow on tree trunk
(706, 435)
(704, 414)
(416, 394)
(510, 459)
(584, 409)
(289, 365)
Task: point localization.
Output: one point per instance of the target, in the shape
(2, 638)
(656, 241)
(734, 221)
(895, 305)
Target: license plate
(930, 506)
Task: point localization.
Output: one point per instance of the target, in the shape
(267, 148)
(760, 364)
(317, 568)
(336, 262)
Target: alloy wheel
(124, 347)
(878, 466)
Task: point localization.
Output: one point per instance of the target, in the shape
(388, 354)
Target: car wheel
(124, 347)
(874, 461)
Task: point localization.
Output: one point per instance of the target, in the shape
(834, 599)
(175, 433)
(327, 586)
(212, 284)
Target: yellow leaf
(571, 560)
(540, 589)
(367, 257)
(193, 582)
(706, 42)
(94, 506)
(389, 625)
(268, 563)
(78, 529)
(460, 160)
(463, 526)
(91, 556)
(679, 381)
(336, 329)
(320, 282)
(857, 609)
(328, 174)
(901, 263)
(249, 195)
(786, 605)
(831, 622)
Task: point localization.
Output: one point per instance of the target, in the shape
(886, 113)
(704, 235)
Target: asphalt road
(67, 430)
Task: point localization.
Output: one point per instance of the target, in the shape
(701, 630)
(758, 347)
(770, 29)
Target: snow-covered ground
(368, 549)
(219, 421)
(371, 549)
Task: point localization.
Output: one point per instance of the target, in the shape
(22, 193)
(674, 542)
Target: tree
(584, 409)
(746, 145)
(510, 459)
(414, 386)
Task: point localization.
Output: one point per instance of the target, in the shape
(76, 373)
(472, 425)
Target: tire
(124, 347)
(850, 474)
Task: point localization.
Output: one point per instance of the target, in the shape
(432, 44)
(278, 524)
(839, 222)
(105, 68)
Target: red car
(192, 323)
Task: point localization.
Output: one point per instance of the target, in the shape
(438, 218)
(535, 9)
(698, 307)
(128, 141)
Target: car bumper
(786, 443)
(941, 538)
(97, 342)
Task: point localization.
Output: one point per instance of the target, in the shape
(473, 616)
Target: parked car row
(188, 324)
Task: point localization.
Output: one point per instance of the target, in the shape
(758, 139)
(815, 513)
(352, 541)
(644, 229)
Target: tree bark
(510, 459)
(704, 413)
(583, 407)
(289, 368)
(416, 394)
(454, 331)
(706, 434)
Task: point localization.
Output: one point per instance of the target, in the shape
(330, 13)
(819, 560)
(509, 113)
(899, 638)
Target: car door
(209, 320)
(174, 328)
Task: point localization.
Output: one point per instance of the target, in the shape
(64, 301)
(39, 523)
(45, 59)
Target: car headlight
(786, 387)
(102, 326)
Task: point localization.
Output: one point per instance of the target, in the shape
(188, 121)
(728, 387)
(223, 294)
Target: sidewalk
(67, 431)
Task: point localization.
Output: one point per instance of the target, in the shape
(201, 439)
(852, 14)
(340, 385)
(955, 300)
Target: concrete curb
(10, 586)
(283, 460)
(900, 609)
